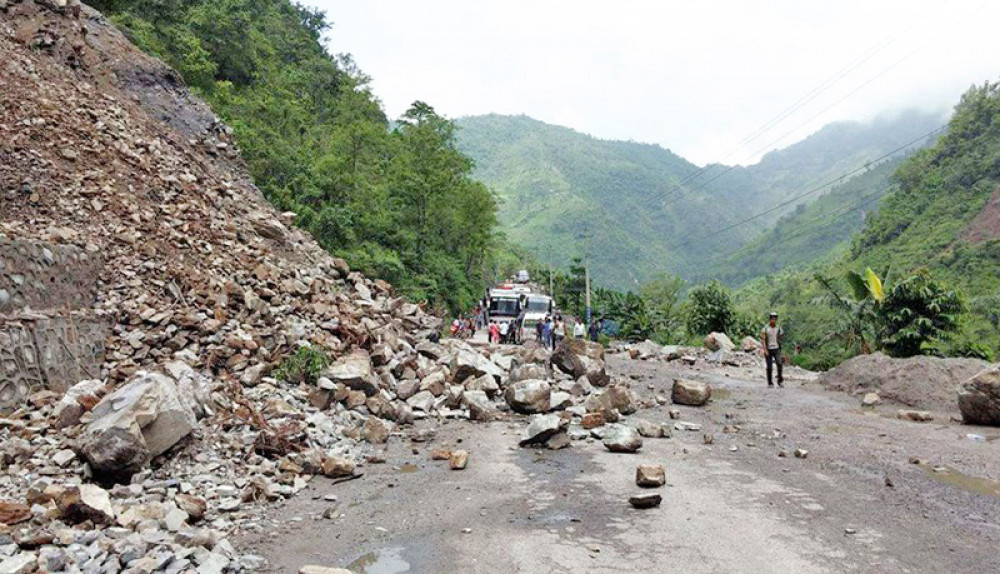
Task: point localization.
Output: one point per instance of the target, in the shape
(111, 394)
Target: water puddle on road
(721, 394)
(408, 468)
(384, 561)
(965, 482)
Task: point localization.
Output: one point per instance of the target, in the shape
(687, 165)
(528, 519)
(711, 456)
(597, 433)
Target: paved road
(734, 506)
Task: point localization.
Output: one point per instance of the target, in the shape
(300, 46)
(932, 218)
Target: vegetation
(304, 367)
(643, 210)
(710, 309)
(397, 203)
(938, 229)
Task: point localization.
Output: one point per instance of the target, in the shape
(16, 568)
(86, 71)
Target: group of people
(551, 331)
(502, 332)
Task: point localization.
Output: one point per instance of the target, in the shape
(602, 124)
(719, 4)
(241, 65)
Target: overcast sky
(697, 77)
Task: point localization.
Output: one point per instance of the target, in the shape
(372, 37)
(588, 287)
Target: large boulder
(614, 398)
(595, 371)
(979, 398)
(542, 428)
(480, 406)
(621, 438)
(75, 402)
(528, 397)
(585, 348)
(693, 393)
(567, 361)
(485, 383)
(529, 371)
(718, 342)
(750, 345)
(137, 422)
(467, 364)
(354, 371)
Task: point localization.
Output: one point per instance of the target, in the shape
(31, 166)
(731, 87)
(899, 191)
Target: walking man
(770, 342)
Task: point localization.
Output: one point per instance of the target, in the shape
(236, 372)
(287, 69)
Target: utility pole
(588, 314)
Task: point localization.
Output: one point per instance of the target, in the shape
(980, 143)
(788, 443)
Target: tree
(710, 309)
(917, 314)
(661, 296)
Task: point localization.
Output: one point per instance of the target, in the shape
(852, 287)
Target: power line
(811, 191)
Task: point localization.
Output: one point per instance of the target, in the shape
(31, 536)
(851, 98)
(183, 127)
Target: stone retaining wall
(45, 276)
(49, 337)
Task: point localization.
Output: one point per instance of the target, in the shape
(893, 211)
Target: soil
(733, 506)
(927, 383)
(986, 225)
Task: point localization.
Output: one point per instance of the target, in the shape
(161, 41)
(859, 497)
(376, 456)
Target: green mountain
(813, 232)
(641, 209)
(942, 216)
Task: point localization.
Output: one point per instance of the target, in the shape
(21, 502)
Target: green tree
(710, 309)
(917, 314)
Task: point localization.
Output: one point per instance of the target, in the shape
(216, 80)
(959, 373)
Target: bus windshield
(504, 307)
(538, 305)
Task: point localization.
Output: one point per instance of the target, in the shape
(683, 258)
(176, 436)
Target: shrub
(304, 366)
(710, 309)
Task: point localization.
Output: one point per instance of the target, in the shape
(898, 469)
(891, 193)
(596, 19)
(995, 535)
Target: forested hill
(942, 218)
(644, 209)
(396, 201)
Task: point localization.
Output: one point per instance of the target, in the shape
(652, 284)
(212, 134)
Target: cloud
(695, 77)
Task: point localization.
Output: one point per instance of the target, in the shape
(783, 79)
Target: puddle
(408, 468)
(965, 482)
(721, 394)
(384, 561)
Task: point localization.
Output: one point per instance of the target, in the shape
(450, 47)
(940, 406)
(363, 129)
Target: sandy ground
(734, 506)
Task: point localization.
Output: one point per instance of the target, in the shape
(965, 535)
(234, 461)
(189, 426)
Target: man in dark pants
(770, 342)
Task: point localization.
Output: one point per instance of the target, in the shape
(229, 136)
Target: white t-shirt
(578, 330)
(503, 328)
(773, 335)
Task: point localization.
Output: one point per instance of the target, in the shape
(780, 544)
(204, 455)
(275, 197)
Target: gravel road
(732, 506)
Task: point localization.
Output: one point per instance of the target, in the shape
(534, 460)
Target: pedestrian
(494, 333)
(560, 332)
(504, 330)
(547, 332)
(595, 331)
(770, 343)
(540, 331)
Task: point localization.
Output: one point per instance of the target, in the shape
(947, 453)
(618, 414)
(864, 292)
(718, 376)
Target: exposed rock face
(693, 393)
(979, 398)
(718, 342)
(528, 397)
(136, 423)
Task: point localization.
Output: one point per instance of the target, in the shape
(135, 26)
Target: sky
(714, 81)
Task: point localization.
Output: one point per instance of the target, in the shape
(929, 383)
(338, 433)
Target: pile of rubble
(241, 360)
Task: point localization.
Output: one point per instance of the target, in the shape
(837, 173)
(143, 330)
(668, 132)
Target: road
(733, 506)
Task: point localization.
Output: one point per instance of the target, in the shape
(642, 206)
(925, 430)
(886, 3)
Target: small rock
(870, 400)
(558, 441)
(459, 460)
(650, 475)
(621, 438)
(918, 416)
(645, 500)
(801, 453)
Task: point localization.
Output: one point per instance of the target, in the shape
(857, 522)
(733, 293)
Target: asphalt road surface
(874, 494)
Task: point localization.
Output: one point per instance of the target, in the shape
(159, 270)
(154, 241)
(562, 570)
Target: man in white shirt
(770, 342)
(504, 329)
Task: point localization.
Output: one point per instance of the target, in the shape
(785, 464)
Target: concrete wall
(64, 342)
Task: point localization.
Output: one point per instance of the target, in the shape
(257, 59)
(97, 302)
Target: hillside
(813, 233)
(941, 216)
(556, 185)
(394, 201)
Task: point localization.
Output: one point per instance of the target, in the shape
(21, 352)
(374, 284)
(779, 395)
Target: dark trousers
(774, 356)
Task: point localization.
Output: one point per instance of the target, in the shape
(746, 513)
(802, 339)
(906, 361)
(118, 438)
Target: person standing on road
(770, 342)
(560, 332)
(579, 330)
(494, 333)
(504, 329)
(595, 331)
